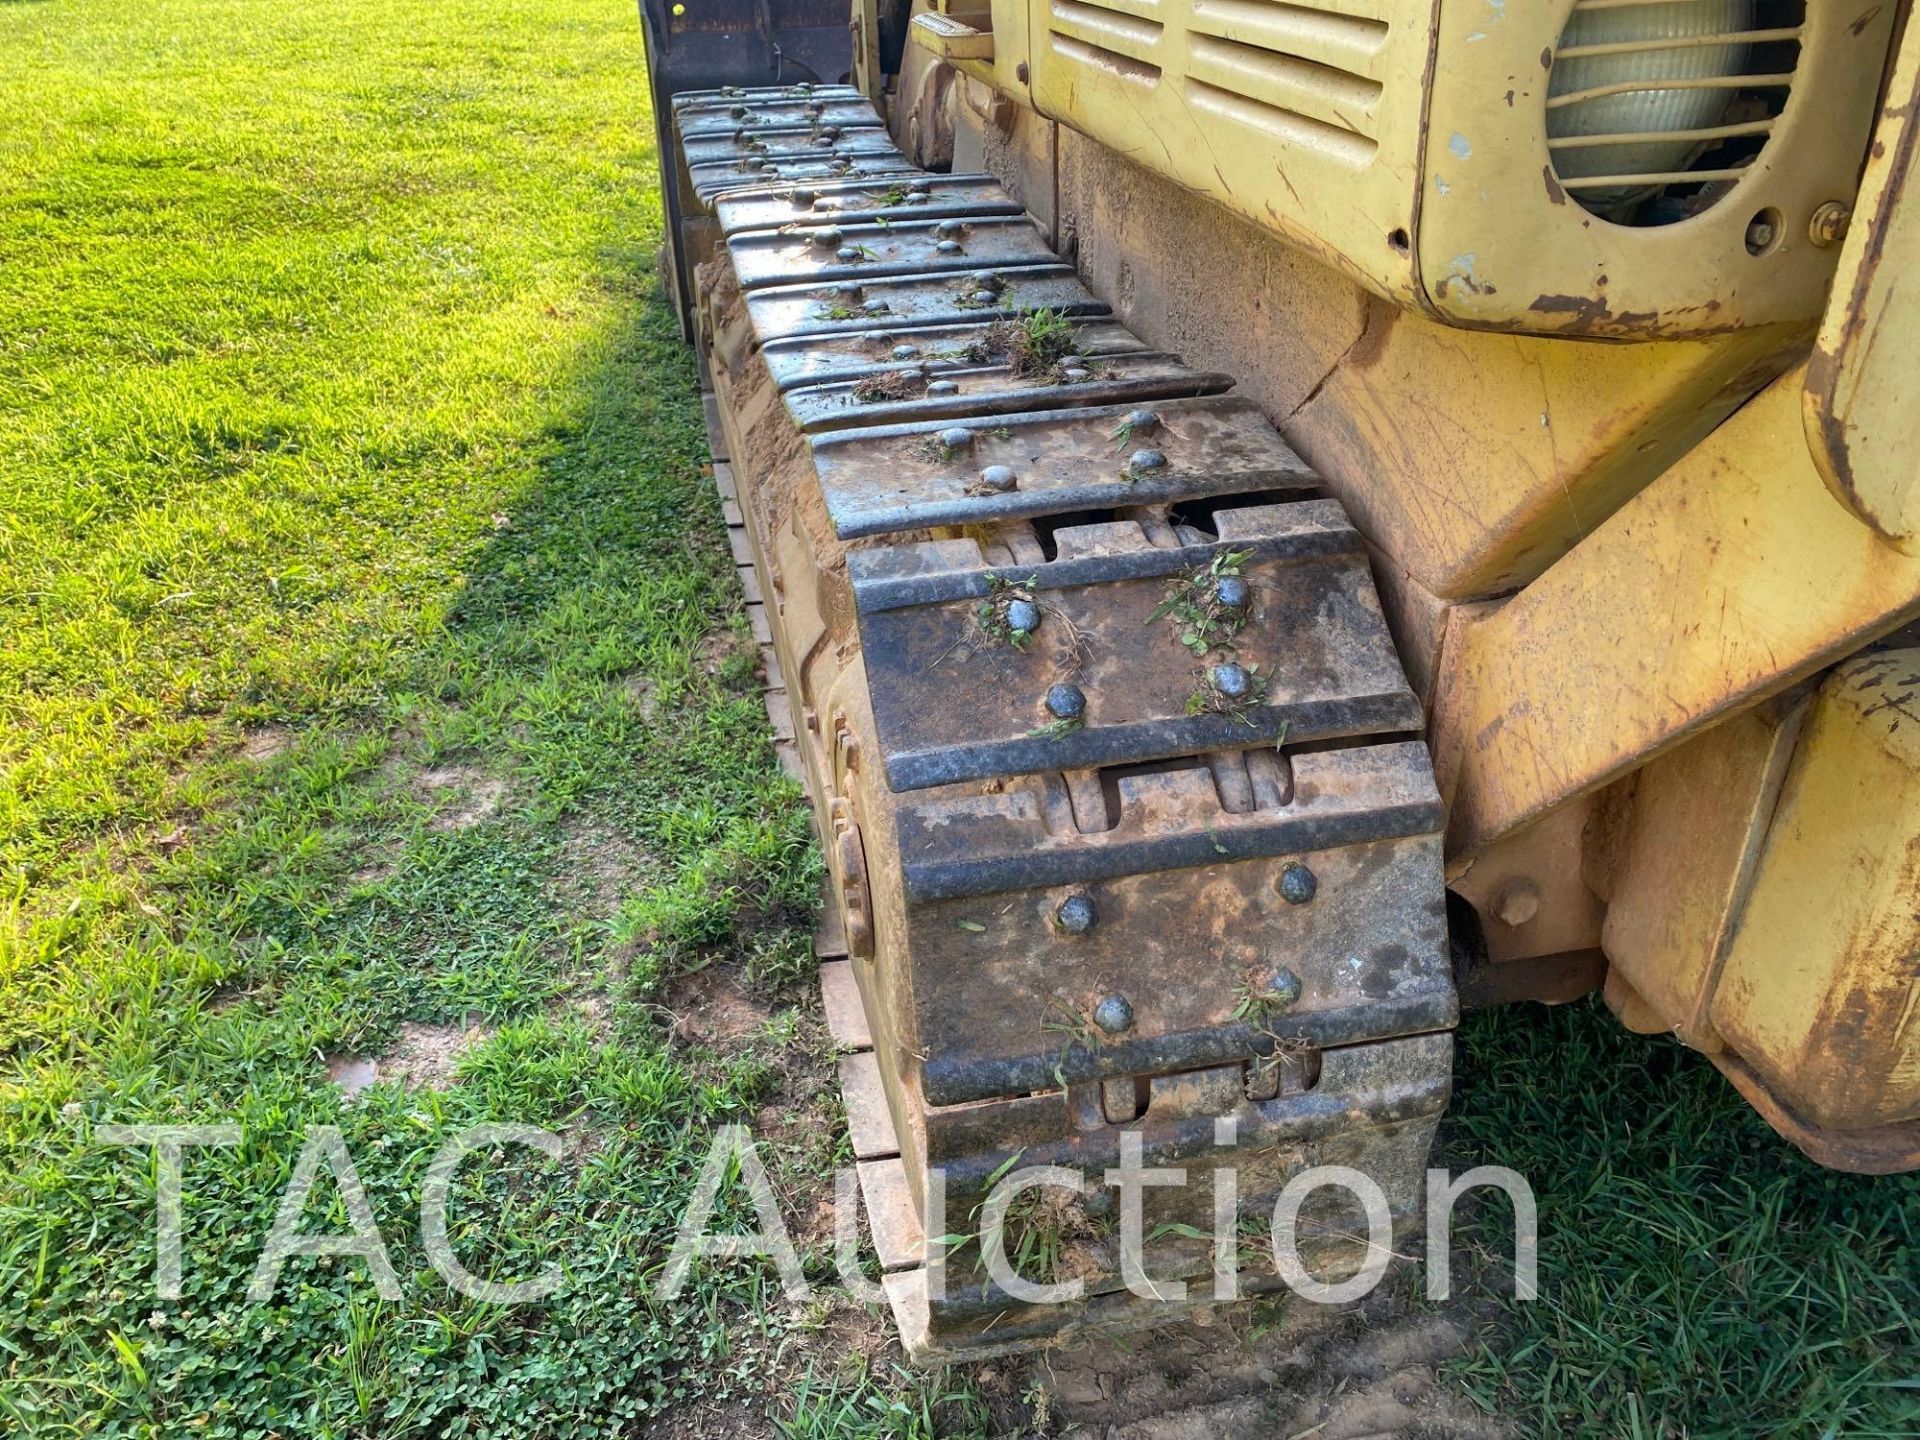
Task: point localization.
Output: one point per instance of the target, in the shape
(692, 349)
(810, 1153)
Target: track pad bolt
(1232, 681)
(1283, 987)
(1297, 884)
(905, 352)
(1114, 1015)
(943, 387)
(1143, 460)
(826, 235)
(950, 229)
(803, 198)
(956, 439)
(920, 187)
(1138, 420)
(1232, 592)
(849, 290)
(1023, 616)
(1066, 701)
(1074, 374)
(1000, 479)
(738, 112)
(950, 247)
(1076, 915)
(987, 280)
(847, 254)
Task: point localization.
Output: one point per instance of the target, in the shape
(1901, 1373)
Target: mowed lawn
(374, 685)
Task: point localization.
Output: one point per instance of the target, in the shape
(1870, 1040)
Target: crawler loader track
(1112, 757)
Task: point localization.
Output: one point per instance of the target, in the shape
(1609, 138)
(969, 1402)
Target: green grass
(1698, 1277)
(373, 659)
(337, 416)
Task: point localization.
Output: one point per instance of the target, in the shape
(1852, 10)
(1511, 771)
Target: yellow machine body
(1630, 448)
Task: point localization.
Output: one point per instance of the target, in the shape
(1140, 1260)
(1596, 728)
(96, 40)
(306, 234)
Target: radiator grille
(1657, 108)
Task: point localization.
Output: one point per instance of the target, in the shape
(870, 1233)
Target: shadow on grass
(568, 791)
(1699, 1276)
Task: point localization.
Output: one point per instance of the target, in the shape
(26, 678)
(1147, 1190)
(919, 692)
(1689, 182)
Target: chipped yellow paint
(1698, 821)
(1863, 409)
(1732, 576)
(1820, 993)
(1502, 246)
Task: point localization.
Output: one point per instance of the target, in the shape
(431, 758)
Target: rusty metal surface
(1005, 1003)
(805, 143)
(1263, 937)
(905, 477)
(826, 309)
(953, 700)
(727, 96)
(1876, 1150)
(752, 172)
(839, 249)
(992, 389)
(706, 121)
(916, 197)
(1547, 979)
(849, 356)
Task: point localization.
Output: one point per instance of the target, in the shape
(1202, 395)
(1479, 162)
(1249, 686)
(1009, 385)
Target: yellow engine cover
(1407, 142)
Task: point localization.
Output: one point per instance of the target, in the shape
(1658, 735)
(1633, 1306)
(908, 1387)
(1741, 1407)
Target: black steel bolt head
(827, 235)
(1232, 680)
(1142, 419)
(919, 187)
(949, 229)
(1000, 479)
(847, 254)
(1074, 374)
(905, 352)
(950, 247)
(1283, 986)
(984, 297)
(1114, 1015)
(1066, 701)
(1076, 915)
(943, 387)
(804, 198)
(956, 438)
(738, 112)
(1232, 592)
(849, 290)
(1023, 616)
(1297, 884)
(1146, 460)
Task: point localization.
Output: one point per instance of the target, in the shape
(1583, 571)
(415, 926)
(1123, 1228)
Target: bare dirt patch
(642, 692)
(464, 796)
(262, 744)
(423, 1057)
(708, 1007)
(601, 867)
(1272, 1369)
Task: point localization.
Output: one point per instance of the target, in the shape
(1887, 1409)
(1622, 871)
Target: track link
(1115, 764)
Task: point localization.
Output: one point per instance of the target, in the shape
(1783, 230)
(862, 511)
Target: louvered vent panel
(1121, 36)
(1306, 74)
